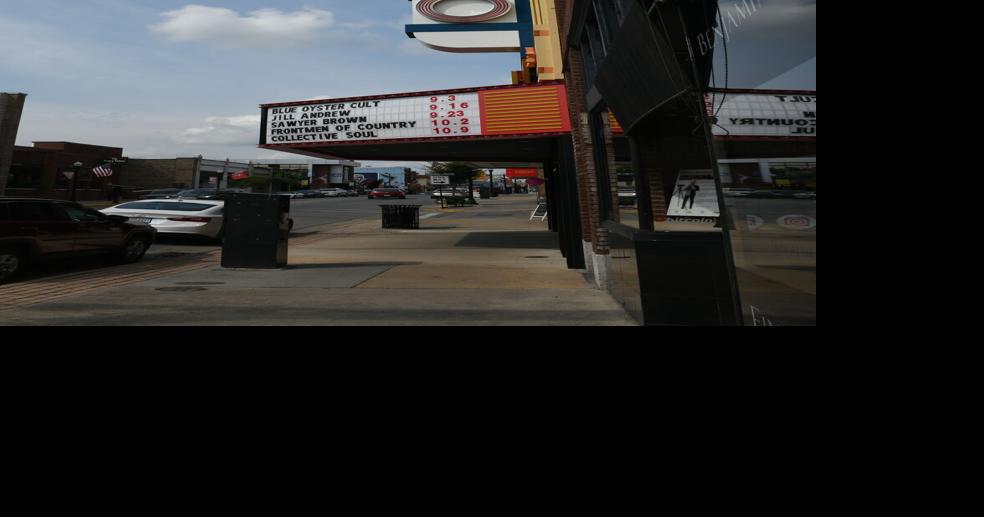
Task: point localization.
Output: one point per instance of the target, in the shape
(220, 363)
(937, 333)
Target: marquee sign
(428, 8)
(765, 114)
(489, 112)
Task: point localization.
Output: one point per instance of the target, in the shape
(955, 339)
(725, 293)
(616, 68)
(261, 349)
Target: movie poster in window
(694, 197)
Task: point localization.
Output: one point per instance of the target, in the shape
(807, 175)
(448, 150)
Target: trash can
(403, 217)
(485, 193)
(257, 227)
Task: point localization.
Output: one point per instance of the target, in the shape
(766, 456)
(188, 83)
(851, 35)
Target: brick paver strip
(45, 290)
(75, 284)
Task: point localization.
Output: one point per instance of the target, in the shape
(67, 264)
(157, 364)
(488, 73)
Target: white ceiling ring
(428, 8)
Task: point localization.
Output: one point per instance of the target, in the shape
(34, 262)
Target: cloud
(242, 130)
(225, 28)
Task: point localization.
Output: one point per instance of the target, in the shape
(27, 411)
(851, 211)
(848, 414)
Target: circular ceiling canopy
(500, 8)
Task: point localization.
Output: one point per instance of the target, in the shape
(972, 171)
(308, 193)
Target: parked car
(450, 193)
(334, 192)
(292, 195)
(738, 192)
(201, 218)
(163, 193)
(383, 193)
(40, 230)
(627, 196)
(206, 193)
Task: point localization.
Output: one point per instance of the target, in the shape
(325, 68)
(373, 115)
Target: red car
(383, 193)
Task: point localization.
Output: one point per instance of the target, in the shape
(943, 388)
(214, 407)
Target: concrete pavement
(485, 265)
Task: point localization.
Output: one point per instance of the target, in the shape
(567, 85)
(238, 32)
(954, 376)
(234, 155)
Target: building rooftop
(75, 146)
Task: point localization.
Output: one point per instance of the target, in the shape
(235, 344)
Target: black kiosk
(257, 227)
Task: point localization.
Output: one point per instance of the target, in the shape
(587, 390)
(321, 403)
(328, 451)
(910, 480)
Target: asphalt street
(308, 214)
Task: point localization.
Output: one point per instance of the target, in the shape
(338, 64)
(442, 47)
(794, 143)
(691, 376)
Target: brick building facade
(39, 171)
(663, 90)
(161, 173)
(590, 148)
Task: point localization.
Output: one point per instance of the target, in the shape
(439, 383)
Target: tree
(460, 172)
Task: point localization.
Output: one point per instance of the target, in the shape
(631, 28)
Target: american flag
(103, 171)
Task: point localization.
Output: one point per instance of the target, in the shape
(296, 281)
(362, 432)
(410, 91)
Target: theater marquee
(486, 112)
(764, 114)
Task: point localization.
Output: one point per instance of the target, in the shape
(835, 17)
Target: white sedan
(334, 192)
(176, 216)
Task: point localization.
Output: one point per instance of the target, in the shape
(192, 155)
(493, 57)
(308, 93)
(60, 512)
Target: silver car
(201, 217)
(333, 192)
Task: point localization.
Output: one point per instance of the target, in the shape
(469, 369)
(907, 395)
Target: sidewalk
(485, 265)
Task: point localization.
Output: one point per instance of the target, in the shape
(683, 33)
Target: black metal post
(567, 174)
(643, 193)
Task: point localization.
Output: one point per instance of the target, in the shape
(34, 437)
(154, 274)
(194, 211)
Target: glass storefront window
(628, 195)
(28, 177)
(763, 95)
(601, 161)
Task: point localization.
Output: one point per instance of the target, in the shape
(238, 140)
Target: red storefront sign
(522, 173)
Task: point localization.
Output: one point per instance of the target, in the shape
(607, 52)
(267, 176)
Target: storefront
(48, 168)
(697, 155)
(318, 174)
(510, 124)
(373, 177)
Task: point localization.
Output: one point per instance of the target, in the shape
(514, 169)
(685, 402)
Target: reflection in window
(628, 195)
(765, 45)
(602, 170)
(764, 96)
(25, 177)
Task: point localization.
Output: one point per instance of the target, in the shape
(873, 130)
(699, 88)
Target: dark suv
(33, 230)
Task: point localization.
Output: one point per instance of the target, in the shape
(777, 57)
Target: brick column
(11, 106)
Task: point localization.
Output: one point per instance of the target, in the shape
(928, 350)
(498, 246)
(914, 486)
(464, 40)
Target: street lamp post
(76, 167)
(220, 177)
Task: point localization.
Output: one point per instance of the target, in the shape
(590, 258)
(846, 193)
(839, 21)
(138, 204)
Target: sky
(166, 78)
(774, 47)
